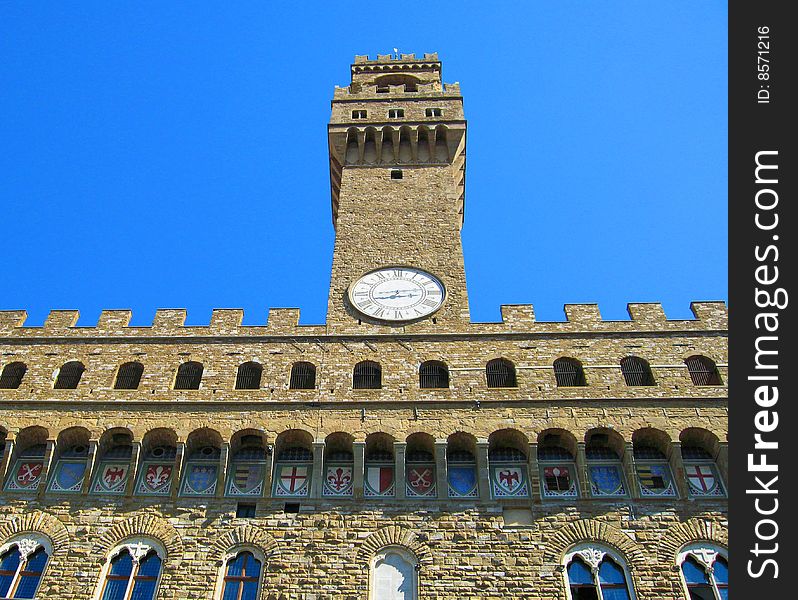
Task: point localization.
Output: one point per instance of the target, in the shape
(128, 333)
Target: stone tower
(397, 140)
(397, 452)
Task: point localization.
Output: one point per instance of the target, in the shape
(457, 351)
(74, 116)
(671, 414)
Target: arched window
(293, 469)
(22, 563)
(339, 462)
(705, 572)
(394, 575)
(133, 571)
(247, 467)
(27, 471)
(703, 371)
(248, 377)
(508, 465)
(12, 375)
(367, 375)
(113, 468)
(69, 376)
(241, 580)
(636, 371)
(500, 373)
(129, 376)
(604, 465)
(70, 470)
(595, 573)
(568, 373)
(189, 376)
(201, 472)
(433, 374)
(420, 467)
(557, 467)
(303, 376)
(378, 479)
(155, 474)
(653, 471)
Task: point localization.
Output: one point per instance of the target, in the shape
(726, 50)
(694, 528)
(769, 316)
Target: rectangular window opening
(291, 507)
(245, 510)
(396, 174)
(396, 113)
(433, 112)
(359, 114)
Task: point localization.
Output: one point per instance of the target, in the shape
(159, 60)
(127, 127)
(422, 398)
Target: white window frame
(406, 555)
(232, 554)
(592, 555)
(705, 555)
(139, 547)
(27, 544)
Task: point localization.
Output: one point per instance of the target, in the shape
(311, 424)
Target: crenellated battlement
(516, 318)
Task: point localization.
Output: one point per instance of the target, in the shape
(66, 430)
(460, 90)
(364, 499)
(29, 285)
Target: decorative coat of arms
(702, 480)
(463, 482)
(558, 481)
(200, 480)
(606, 480)
(378, 481)
(246, 479)
(156, 479)
(292, 480)
(68, 477)
(338, 481)
(27, 475)
(655, 480)
(111, 478)
(509, 481)
(420, 481)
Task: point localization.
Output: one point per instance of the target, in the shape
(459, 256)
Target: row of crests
(703, 442)
(285, 321)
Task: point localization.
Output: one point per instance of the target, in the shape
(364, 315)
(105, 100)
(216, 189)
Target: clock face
(397, 294)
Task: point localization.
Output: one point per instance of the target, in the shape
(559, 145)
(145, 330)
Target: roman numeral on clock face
(397, 294)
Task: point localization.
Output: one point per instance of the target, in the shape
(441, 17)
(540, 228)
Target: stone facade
(486, 545)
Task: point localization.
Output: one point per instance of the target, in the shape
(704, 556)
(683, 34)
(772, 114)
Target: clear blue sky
(174, 154)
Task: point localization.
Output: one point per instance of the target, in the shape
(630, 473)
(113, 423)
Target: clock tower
(397, 172)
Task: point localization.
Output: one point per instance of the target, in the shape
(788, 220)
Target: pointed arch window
(703, 371)
(241, 579)
(394, 575)
(12, 375)
(133, 572)
(129, 376)
(500, 373)
(69, 376)
(189, 376)
(705, 572)
(22, 564)
(636, 371)
(249, 376)
(303, 376)
(596, 573)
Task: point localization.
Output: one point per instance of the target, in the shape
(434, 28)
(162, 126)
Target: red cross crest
(701, 477)
(293, 478)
